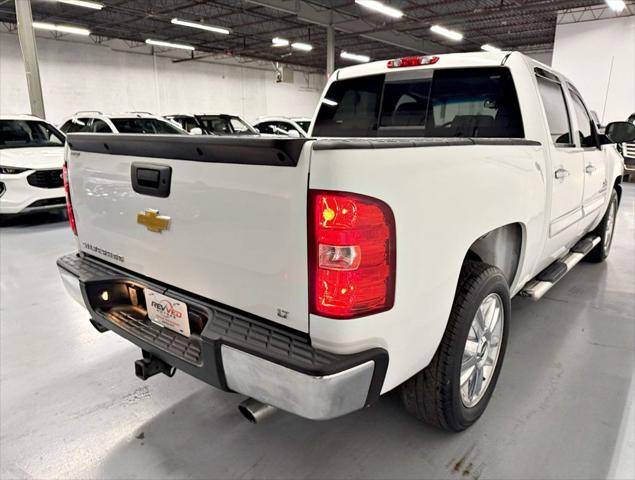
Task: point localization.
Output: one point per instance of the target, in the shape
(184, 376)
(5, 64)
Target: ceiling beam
(349, 24)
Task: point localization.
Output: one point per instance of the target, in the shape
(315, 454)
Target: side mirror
(620, 132)
(293, 134)
(257, 130)
(196, 131)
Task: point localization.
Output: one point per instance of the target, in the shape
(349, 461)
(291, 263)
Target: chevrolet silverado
(315, 274)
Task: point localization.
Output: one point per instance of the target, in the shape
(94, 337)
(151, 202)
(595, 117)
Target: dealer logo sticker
(167, 312)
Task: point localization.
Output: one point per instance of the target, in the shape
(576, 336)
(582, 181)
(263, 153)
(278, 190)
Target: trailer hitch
(150, 365)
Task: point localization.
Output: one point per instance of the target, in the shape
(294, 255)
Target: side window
(585, 131)
(188, 124)
(281, 128)
(76, 125)
(556, 109)
(264, 127)
(350, 108)
(99, 126)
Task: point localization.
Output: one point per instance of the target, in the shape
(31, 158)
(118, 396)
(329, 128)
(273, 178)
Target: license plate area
(130, 296)
(167, 312)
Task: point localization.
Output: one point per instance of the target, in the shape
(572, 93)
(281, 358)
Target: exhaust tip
(247, 413)
(255, 411)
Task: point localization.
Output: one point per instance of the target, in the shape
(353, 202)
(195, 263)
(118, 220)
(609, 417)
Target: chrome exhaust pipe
(255, 411)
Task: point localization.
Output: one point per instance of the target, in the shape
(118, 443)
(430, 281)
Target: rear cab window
(462, 102)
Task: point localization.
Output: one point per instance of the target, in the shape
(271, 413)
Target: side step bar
(536, 289)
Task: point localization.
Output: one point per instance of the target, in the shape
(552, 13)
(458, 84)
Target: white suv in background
(285, 126)
(31, 158)
(132, 122)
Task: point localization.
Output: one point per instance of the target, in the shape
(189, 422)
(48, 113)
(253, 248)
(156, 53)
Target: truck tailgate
(235, 216)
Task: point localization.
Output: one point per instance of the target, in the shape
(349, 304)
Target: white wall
(78, 76)
(584, 53)
(544, 56)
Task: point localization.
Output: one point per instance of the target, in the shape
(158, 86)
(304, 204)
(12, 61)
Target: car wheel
(453, 391)
(605, 231)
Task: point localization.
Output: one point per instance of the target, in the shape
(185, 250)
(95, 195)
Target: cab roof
(449, 60)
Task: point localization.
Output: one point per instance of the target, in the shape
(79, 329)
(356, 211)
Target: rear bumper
(230, 350)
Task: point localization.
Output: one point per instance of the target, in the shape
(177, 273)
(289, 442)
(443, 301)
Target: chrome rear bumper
(316, 398)
(230, 350)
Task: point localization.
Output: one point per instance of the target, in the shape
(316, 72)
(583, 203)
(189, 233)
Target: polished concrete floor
(71, 406)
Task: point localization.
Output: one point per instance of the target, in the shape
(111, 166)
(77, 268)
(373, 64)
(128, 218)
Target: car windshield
(144, 125)
(226, 125)
(304, 124)
(29, 133)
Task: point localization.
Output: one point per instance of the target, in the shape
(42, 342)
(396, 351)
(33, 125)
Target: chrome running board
(536, 288)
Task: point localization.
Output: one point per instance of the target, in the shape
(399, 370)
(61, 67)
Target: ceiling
(507, 24)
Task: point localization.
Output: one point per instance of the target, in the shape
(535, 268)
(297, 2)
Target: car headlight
(12, 170)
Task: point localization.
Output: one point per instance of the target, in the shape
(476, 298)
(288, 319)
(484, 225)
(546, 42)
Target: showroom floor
(72, 407)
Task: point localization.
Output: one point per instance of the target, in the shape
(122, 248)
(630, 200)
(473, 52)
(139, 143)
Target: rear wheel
(605, 231)
(453, 391)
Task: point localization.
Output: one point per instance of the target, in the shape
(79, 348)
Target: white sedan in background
(31, 159)
(285, 126)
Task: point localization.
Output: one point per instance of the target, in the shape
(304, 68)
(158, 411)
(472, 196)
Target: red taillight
(352, 254)
(69, 205)
(412, 61)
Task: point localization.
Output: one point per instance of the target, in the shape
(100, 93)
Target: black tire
(433, 395)
(602, 249)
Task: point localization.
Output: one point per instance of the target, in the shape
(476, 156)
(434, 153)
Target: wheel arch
(501, 247)
(617, 186)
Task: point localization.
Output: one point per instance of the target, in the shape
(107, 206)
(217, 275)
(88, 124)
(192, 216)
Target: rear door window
(465, 102)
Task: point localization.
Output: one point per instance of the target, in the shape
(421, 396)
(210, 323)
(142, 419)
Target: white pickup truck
(315, 274)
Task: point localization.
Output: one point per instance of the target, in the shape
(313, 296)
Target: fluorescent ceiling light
(490, 48)
(355, 57)
(280, 42)
(305, 47)
(380, 7)
(202, 26)
(83, 3)
(451, 34)
(329, 102)
(160, 43)
(61, 28)
(616, 5)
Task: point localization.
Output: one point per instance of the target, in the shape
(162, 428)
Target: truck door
(567, 168)
(595, 181)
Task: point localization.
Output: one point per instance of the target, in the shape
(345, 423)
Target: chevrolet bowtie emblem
(153, 221)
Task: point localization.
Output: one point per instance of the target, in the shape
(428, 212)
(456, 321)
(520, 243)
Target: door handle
(590, 169)
(561, 173)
